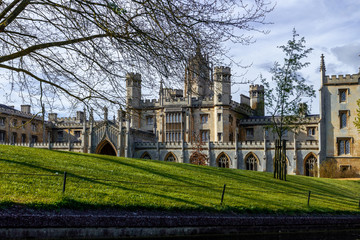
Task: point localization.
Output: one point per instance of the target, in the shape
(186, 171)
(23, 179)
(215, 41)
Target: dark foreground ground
(23, 223)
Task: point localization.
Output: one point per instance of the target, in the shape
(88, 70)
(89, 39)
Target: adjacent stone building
(20, 126)
(339, 138)
(232, 134)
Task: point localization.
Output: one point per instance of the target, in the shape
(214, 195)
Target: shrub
(330, 169)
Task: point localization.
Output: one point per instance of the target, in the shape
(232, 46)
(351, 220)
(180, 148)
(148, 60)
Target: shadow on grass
(254, 181)
(72, 204)
(94, 181)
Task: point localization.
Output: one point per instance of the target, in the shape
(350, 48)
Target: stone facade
(339, 137)
(232, 134)
(20, 126)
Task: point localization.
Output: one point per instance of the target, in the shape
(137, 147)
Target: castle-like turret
(197, 76)
(133, 86)
(257, 99)
(222, 85)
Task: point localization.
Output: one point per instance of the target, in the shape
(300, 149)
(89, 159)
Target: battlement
(149, 102)
(343, 79)
(67, 119)
(256, 87)
(147, 145)
(307, 144)
(69, 124)
(251, 144)
(255, 121)
(222, 70)
(244, 108)
(176, 100)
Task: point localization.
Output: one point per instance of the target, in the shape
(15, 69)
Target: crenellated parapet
(222, 70)
(311, 119)
(148, 103)
(256, 87)
(181, 101)
(145, 145)
(253, 121)
(241, 107)
(67, 120)
(343, 79)
(314, 144)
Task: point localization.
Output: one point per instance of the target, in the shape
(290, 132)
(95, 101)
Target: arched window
(170, 157)
(251, 162)
(223, 161)
(145, 155)
(310, 164)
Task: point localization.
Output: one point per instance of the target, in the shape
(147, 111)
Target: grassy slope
(150, 184)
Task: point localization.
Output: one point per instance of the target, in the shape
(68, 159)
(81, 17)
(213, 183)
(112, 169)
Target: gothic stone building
(232, 134)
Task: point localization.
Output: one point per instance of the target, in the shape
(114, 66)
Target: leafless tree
(198, 157)
(82, 49)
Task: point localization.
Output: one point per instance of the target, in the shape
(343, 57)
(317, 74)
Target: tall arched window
(170, 157)
(251, 162)
(223, 161)
(310, 164)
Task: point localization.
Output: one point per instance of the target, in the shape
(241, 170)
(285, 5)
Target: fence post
(64, 184)
(223, 193)
(309, 198)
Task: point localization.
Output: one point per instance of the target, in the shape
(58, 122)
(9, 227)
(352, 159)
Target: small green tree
(357, 118)
(285, 96)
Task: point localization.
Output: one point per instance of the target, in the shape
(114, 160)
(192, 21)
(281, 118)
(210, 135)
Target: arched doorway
(105, 148)
(170, 157)
(251, 162)
(223, 160)
(145, 155)
(310, 163)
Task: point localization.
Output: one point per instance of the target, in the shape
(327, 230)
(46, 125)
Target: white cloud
(348, 54)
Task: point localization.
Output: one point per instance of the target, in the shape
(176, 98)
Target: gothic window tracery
(170, 157)
(223, 161)
(310, 164)
(251, 162)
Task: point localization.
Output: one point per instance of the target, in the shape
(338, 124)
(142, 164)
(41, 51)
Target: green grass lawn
(98, 181)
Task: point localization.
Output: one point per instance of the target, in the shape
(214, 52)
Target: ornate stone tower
(133, 87)
(222, 85)
(197, 76)
(257, 99)
(133, 98)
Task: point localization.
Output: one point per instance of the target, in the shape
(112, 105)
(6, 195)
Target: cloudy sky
(330, 27)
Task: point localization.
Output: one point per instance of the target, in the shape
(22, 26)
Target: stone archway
(223, 160)
(105, 148)
(310, 163)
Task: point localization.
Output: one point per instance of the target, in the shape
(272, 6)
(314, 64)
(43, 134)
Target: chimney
(53, 117)
(25, 108)
(80, 116)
